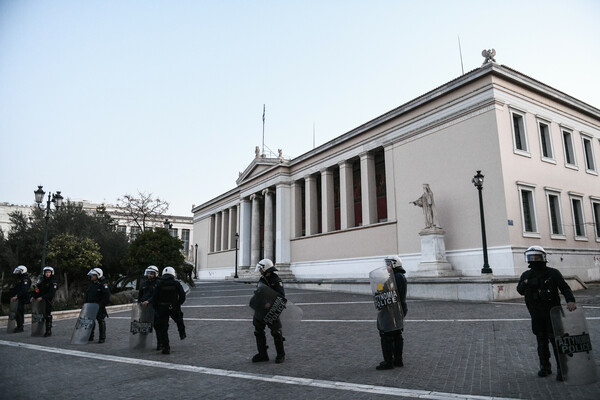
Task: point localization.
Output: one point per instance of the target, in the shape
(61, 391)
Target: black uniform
(167, 300)
(46, 289)
(272, 280)
(146, 293)
(540, 286)
(98, 292)
(392, 343)
(21, 291)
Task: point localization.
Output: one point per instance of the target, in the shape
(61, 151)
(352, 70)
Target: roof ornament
(489, 56)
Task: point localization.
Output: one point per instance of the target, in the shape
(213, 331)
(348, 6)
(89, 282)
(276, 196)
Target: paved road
(452, 350)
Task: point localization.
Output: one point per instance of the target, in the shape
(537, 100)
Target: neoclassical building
(337, 210)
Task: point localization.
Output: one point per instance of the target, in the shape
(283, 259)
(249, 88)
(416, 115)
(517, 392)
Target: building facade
(336, 210)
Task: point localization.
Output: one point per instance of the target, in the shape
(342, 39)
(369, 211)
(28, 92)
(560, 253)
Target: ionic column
(255, 239)
(346, 195)
(232, 227)
(368, 189)
(218, 231)
(310, 203)
(282, 223)
(390, 183)
(296, 210)
(268, 239)
(327, 201)
(245, 230)
(225, 230)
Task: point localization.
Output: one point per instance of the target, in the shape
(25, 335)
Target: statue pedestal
(433, 254)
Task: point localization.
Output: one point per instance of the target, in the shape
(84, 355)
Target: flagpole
(263, 133)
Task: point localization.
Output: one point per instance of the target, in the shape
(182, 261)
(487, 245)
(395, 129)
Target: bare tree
(141, 209)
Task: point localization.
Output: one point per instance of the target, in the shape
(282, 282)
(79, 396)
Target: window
(596, 216)
(173, 232)
(528, 213)
(555, 215)
(185, 238)
(134, 232)
(578, 217)
(545, 141)
(568, 147)
(519, 134)
(588, 153)
(121, 228)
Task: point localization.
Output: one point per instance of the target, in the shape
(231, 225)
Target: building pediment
(256, 168)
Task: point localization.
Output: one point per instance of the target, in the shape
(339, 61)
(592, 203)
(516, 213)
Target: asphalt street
(453, 350)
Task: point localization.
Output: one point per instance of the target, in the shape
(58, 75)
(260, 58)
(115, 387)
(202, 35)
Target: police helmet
(535, 254)
(48, 268)
(169, 271)
(21, 269)
(395, 262)
(151, 268)
(96, 271)
(266, 265)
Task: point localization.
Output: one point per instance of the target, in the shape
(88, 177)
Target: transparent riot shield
(267, 305)
(38, 309)
(85, 323)
(572, 338)
(387, 300)
(142, 326)
(12, 316)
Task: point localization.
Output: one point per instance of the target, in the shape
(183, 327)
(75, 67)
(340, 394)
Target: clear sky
(103, 98)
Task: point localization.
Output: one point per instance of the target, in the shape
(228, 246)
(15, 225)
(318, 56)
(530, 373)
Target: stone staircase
(248, 275)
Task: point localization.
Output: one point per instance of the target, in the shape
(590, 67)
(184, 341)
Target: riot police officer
(392, 342)
(167, 300)
(540, 285)
(146, 293)
(271, 279)
(21, 294)
(45, 291)
(98, 292)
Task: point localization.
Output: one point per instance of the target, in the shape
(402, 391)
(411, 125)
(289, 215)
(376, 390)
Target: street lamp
(237, 236)
(196, 262)
(57, 199)
(478, 182)
(167, 225)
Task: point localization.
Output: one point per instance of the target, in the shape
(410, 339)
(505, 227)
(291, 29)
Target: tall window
(173, 232)
(555, 214)
(596, 216)
(588, 152)
(134, 232)
(528, 213)
(185, 238)
(122, 229)
(519, 134)
(568, 146)
(545, 141)
(578, 217)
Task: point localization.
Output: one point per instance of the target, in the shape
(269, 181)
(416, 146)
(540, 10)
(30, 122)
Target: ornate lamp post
(57, 199)
(196, 262)
(478, 182)
(237, 236)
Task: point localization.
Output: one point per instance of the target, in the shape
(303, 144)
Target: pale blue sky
(103, 98)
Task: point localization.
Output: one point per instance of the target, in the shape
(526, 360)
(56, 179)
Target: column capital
(326, 171)
(266, 192)
(366, 155)
(255, 196)
(308, 178)
(345, 163)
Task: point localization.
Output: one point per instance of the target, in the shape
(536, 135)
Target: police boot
(279, 347)
(18, 329)
(48, 326)
(544, 356)
(387, 348)
(261, 345)
(398, 347)
(102, 329)
(181, 329)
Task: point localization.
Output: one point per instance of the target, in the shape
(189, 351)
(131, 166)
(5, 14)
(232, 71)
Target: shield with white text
(38, 308)
(85, 323)
(386, 297)
(572, 338)
(269, 306)
(141, 327)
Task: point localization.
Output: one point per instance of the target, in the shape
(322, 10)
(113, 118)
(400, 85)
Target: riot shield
(12, 316)
(387, 300)
(38, 309)
(572, 338)
(142, 326)
(268, 306)
(85, 323)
